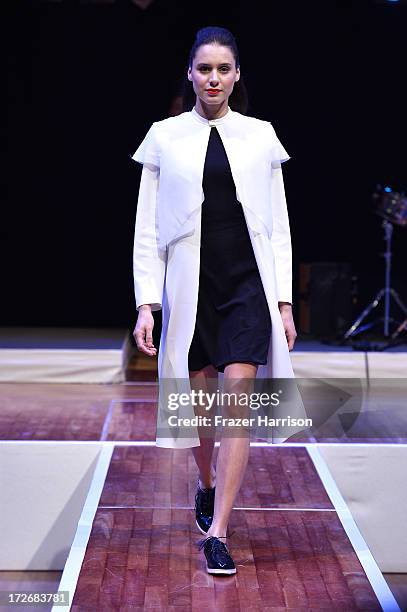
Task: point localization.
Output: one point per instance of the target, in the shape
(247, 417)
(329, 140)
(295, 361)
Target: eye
(222, 68)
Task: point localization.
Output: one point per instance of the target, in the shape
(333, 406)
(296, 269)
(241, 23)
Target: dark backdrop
(85, 82)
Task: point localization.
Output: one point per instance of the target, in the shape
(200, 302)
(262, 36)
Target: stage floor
(128, 412)
(295, 547)
(288, 540)
(289, 546)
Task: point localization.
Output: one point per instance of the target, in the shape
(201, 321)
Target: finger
(140, 341)
(151, 352)
(289, 342)
(149, 338)
(145, 348)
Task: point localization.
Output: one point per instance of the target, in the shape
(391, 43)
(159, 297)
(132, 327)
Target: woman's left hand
(288, 323)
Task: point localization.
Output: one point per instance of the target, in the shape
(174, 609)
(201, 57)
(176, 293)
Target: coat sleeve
(149, 151)
(281, 235)
(149, 262)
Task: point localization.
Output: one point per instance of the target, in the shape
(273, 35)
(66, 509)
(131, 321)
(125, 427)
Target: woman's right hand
(143, 332)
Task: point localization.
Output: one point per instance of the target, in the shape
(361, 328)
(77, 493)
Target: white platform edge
(372, 571)
(51, 366)
(76, 555)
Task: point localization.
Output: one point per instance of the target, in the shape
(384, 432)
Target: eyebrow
(205, 64)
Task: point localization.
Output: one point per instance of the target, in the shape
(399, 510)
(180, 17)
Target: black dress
(233, 320)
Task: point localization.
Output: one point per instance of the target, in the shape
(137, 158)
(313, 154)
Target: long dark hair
(238, 99)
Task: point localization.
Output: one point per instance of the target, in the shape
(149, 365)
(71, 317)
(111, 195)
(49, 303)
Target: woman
(212, 249)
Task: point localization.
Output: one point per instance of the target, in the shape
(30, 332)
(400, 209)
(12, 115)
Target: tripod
(387, 292)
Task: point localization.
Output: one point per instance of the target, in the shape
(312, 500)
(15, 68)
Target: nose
(214, 77)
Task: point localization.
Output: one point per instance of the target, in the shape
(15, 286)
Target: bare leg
(205, 379)
(233, 452)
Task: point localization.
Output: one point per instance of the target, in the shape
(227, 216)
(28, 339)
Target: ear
(189, 74)
(237, 74)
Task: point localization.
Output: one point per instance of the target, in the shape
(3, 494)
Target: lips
(213, 90)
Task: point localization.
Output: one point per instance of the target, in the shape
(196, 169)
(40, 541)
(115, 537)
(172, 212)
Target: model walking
(234, 316)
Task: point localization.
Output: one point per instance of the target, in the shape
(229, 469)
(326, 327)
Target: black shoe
(218, 559)
(204, 507)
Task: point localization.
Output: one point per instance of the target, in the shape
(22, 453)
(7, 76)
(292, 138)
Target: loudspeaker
(325, 299)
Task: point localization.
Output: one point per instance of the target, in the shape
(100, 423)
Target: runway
(289, 544)
(294, 540)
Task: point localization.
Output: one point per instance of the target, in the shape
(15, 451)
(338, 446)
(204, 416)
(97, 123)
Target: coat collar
(225, 119)
(251, 147)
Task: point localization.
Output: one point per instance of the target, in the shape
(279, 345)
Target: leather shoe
(204, 508)
(218, 559)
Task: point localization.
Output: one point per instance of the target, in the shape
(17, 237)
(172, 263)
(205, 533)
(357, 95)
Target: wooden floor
(289, 546)
(127, 412)
(285, 560)
(287, 541)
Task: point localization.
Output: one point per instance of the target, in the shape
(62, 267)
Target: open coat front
(167, 242)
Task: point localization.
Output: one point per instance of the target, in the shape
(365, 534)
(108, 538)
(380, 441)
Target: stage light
(388, 189)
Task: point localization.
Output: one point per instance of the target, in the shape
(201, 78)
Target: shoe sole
(220, 571)
(201, 530)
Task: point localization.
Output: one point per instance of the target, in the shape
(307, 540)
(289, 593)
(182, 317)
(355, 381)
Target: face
(214, 68)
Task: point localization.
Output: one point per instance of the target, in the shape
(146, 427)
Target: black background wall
(85, 82)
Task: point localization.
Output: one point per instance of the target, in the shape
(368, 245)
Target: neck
(212, 111)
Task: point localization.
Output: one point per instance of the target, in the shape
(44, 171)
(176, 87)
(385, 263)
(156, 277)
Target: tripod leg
(399, 329)
(386, 312)
(388, 231)
(397, 299)
(351, 331)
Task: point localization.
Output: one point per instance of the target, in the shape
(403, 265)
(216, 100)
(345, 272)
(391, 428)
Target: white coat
(166, 259)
